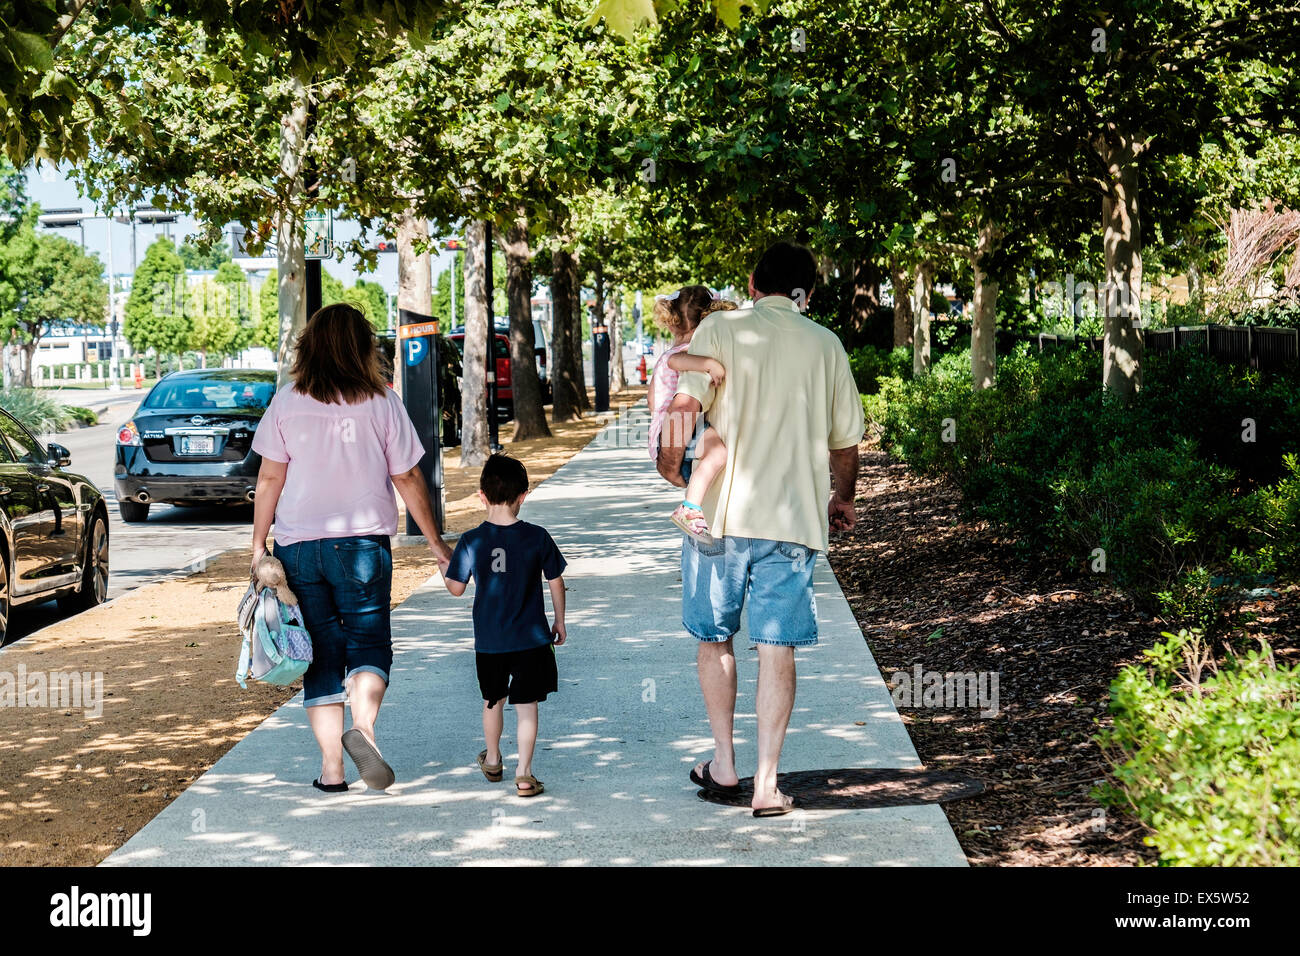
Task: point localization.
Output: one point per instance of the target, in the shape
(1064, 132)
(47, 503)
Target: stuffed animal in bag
(269, 573)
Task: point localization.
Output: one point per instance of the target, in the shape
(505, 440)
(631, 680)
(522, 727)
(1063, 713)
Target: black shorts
(526, 677)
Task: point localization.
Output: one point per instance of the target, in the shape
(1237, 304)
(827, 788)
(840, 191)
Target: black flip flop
(374, 768)
(330, 787)
(708, 783)
(776, 811)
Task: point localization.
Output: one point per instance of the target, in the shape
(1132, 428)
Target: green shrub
(40, 412)
(1208, 756)
(870, 364)
(1157, 513)
(1191, 475)
(83, 415)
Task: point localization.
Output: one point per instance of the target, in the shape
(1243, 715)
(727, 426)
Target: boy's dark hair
(503, 480)
(783, 268)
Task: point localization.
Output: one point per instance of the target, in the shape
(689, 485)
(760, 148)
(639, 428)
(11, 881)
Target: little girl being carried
(681, 313)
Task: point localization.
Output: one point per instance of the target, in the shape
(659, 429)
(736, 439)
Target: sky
(52, 189)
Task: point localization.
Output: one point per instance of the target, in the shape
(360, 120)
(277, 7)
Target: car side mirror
(58, 456)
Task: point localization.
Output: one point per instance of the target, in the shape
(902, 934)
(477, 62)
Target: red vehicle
(501, 352)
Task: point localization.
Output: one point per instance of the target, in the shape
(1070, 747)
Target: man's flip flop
(490, 770)
(706, 781)
(374, 768)
(330, 787)
(776, 811)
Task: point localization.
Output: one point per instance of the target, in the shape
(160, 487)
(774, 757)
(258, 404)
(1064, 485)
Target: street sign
(416, 350)
(412, 331)
(319, 239)
(418, 339)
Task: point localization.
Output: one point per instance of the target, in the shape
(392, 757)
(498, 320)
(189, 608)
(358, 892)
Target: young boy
(513, 649)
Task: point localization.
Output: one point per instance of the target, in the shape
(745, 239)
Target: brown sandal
(493, 771)
(535, 786)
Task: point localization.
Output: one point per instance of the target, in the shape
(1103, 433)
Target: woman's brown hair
(688, 309)
(337, 358)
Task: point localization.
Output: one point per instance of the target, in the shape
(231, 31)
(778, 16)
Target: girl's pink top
(663, 386)
(340, 461)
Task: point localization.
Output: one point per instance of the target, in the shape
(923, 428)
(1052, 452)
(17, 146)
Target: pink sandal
(690, 518)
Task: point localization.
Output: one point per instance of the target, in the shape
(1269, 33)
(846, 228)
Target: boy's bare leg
(494, 718)
(526, 716)
(775, 703)
(711, 458)
(716, 663)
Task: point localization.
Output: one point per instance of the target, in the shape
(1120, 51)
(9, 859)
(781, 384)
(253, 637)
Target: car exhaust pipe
(142, 496)
(250, 494)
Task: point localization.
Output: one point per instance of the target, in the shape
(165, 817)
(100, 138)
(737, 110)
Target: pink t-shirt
(340, 459)
(663, 386)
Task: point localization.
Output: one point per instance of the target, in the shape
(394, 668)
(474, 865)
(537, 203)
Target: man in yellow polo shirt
(791, 418)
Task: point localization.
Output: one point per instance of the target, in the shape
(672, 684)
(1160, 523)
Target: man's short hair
(503, 480)
(784, 268)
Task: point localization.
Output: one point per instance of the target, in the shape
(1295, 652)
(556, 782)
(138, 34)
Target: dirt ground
(933, 589)
(75, 787)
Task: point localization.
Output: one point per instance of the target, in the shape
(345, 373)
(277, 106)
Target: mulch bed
(932, 589)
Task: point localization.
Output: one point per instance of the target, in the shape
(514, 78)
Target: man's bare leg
(717, 667)
(775, 703)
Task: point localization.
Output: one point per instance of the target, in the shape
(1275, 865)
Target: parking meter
(417, 351)
(600, 365)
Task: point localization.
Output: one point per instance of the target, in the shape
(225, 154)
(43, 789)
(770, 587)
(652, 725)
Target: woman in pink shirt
(334, 445)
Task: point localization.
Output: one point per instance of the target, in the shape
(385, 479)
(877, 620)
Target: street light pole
(112, 310)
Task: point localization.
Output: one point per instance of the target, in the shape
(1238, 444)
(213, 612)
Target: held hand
(558, 633)
(843, 516)
(443, 564)
(716, 372)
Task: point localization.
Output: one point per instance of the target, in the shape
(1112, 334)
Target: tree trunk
(29, 359)
(900, 277)
(1122, 235)
(921, 318)
(291, 252)
(157, 364)
(566, 404)
(866, 294)
(614, 321)
(414, 282)
(579, 340)
(474, 448)
(983, 350)
(530, 415)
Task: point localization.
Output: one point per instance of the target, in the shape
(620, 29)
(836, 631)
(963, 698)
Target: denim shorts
(773, 579)
(343, 587)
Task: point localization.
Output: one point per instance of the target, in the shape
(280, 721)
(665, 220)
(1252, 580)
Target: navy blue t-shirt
(507, 563)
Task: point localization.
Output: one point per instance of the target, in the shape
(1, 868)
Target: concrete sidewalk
(616, 743)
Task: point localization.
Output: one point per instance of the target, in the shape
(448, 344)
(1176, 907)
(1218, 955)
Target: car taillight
(127, 435)
(541, 359)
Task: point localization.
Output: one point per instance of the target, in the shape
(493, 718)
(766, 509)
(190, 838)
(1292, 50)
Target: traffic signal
(454, 245)
(386, 245)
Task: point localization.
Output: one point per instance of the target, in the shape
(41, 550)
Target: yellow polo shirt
(788, 399)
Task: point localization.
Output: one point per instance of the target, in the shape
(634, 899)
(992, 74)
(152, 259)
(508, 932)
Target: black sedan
(191, 441)
(54, 539)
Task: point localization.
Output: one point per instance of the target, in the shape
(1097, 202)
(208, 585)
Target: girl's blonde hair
(687, 309)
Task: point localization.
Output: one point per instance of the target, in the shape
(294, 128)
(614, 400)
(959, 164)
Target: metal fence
(1260, 347)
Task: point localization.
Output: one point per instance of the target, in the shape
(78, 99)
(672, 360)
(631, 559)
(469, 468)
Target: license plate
(197, 444)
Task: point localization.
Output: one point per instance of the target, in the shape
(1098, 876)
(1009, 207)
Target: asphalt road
(172, 539)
